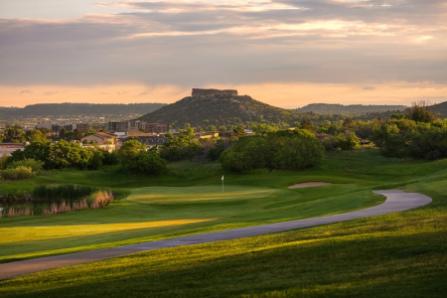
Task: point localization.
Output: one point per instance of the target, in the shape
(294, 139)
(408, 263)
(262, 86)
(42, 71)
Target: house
(148, 139)
(135, 125)
(101, 140)
(155, 128)
(207, 135)
(6, 149)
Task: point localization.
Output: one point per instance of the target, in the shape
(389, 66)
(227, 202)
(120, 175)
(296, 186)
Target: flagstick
(223, 183)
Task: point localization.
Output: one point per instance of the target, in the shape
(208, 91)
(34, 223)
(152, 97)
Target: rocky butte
(197, 92)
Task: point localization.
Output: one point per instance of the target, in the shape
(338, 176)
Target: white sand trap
(308, 185)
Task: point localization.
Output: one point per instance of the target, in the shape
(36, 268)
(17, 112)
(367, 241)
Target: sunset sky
(284, 52)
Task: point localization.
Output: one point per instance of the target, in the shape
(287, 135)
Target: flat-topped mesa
(197, 92)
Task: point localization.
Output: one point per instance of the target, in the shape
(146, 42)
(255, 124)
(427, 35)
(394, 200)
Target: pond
(99, 199)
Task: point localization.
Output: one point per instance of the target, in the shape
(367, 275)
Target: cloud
(187, 43)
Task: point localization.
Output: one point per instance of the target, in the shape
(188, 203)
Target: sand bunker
(308, 185)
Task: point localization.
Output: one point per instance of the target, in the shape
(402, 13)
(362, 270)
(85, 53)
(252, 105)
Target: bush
(17, 173)
(341, 141)
(35, 165)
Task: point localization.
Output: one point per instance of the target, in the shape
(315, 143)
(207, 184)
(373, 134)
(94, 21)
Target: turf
(398, 255)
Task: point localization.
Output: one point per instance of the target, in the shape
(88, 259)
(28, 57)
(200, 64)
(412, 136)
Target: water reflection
(98, 200)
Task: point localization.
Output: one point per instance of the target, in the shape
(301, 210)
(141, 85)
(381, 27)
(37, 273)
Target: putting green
(164, 195)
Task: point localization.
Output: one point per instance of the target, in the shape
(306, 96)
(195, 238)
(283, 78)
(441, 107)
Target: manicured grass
(154, 212)
(398, 255)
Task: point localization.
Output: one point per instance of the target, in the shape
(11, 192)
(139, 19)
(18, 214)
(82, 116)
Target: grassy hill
(349, 110)
(218, 109)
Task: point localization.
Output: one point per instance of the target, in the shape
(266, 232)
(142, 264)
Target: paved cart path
(396, 200)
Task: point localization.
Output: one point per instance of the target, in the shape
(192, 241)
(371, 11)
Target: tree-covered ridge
(440, 109)
(219, 110)
(85, 109)
(349, 110)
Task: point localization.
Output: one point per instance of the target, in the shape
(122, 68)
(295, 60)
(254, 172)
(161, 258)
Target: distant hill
(217, 107)
(440, 109)
(74, 109)
(349, 110)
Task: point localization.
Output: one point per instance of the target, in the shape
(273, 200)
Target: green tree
(14, 134)
(290, 149)
(420, 113)
(36, 135)
(135, 158)
(181, 146)
(248, 153)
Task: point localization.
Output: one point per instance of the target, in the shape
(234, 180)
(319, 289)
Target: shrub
(35, 165)
(17, 173)
(341, 141)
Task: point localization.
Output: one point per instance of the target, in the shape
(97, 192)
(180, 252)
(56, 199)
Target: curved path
(396, 200)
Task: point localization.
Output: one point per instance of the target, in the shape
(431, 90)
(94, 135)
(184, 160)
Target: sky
(286, 53)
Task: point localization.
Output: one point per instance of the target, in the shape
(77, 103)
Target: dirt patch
(308, 185)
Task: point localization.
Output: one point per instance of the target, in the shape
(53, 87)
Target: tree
(135, 158)
(247, 154)
(130, 150)
(183, 145)
(263, 129)
(295, 150)
(14, 134)
(35, 150)
(65, 154)
(408, 138)
(290, 149)
(36, 135)
(420, 113)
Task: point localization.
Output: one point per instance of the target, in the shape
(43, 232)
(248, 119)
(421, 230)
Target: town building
(102, 140)
(137, 125)
(6, 149)
(118, 126)
(82, 127)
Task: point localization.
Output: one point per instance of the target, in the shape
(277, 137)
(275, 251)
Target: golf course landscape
(392, 252)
